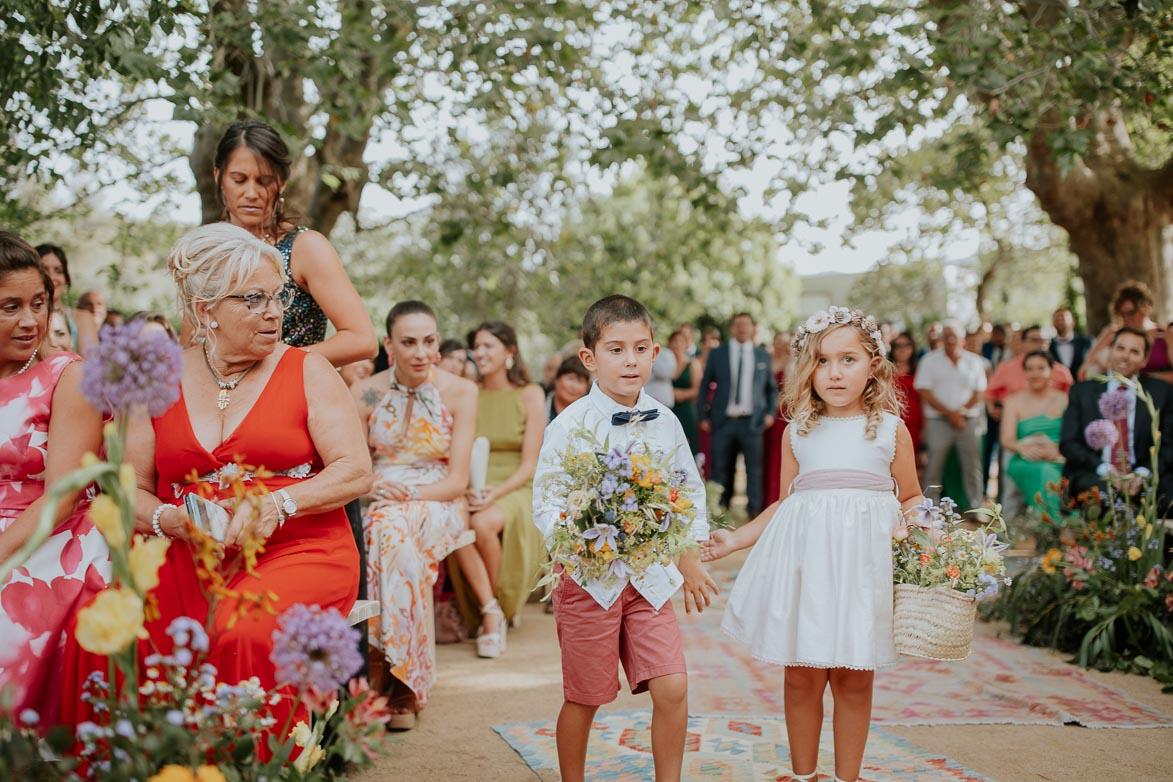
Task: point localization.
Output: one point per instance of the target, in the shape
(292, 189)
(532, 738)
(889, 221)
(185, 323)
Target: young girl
(815, 594)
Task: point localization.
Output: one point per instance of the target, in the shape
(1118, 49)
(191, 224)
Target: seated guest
(1010, 376)
(247, 397)
(1132, 306)
(155, 322)
(48, 426)
(511, 413)
(571, 382)
(420, 423)
(83, 330)
(1031, 421)
(1069, 347)
(93, 303)
(1125, 465)
(454, 360)
(57, 340)
(903, 356)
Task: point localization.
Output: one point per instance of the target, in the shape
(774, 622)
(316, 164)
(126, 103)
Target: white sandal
(491, 645)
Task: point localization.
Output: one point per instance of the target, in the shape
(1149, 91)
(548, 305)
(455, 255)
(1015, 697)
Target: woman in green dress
(1031, 421)
(686, 387)
(511, 412)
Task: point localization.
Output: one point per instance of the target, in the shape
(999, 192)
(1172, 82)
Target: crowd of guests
(369, 449)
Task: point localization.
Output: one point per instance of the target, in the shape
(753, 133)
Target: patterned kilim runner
(1001, 682)
(722, 749)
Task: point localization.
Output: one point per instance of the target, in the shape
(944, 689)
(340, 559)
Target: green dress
(501, 418)
(686, 411)
(1032, 477)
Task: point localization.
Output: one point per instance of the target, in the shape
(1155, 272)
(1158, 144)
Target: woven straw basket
(936, 623)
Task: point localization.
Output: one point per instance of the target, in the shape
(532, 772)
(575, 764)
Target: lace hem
(808, 663)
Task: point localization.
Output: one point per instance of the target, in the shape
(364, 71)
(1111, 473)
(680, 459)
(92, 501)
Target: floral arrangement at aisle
(1101, 590)
(167, 718)
(625, 511)
(941, 569)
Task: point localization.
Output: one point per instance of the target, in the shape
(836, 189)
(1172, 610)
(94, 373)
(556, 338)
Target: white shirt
(953, 384)
(741, 359)
(663, 435)
(1066, 349)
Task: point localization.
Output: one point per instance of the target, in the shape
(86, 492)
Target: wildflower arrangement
(626, 510)
(1100, 589)
(936, 550)
(167, 718)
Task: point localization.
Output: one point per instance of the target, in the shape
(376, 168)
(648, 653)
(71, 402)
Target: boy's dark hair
(612, 309)
(405, 308)
(573, 366)
(452, 346)
(1148, 340)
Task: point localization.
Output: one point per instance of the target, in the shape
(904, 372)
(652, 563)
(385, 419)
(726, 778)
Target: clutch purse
(478, 466)
(209, 517)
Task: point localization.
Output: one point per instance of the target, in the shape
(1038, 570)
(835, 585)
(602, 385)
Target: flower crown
(833, 316)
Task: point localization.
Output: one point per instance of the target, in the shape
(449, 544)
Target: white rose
(577, 501)
(817, 322)
(841, 314)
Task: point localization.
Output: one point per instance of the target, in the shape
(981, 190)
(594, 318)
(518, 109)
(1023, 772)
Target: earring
(508, 362)
(214, 325)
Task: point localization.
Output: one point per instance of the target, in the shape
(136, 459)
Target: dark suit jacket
(1082, 344)
(1082, 461)
(765, 387)
(988, 353)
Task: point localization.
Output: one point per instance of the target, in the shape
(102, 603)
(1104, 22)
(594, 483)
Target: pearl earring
(214, 325)
(509, 363)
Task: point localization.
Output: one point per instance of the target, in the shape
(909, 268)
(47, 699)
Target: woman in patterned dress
(420, 424)
(46, 426)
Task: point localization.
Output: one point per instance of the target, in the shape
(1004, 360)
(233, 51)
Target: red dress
(772, 451)
(312, 559)
(912, 414)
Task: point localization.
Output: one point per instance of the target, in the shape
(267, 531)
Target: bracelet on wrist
(280, 513)
(156, 516)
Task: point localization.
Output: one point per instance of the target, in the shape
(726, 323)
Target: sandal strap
(494, 608)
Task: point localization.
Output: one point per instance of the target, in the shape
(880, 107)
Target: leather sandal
(405, 721)
(491, 645)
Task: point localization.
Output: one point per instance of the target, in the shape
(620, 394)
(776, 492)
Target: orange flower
(953, 571)
(925, 559)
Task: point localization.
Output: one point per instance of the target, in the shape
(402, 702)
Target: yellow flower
(1051, 558)
(111, 622)
(209, 774)
(128, 479)
(146, 557)
(682, 504)
(1140, 522)
(89, 459)
(107, 517)
(1134, 553)
(173, 773)
(309, 758)
(300, 734)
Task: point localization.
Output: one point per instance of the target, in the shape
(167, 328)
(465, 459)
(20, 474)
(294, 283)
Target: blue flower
(629, 502)
(619, 569)
(615, 459)
(609, 485)
(602, 535)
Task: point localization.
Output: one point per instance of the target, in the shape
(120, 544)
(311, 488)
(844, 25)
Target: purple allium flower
(1100, 434)
(315, 647)
(1114, 404)
(128, 368)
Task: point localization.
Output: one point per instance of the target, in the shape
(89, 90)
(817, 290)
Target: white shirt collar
(608, 406)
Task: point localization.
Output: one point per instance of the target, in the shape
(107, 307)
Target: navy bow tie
(634, 416)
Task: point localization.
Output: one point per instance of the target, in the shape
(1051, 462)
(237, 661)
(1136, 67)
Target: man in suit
(996, 350)
(741, 408)
(1129, 464)
(1069, 347)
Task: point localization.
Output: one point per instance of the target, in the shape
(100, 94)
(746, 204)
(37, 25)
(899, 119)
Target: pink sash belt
(842, 479)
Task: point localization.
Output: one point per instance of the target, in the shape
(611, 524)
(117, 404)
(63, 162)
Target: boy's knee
(669, 691)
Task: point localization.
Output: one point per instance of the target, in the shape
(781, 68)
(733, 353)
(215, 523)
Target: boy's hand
(697, 582)
(719, 544)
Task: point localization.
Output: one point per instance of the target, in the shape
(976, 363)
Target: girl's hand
(480, 500)
(385, 489)
(255, 517)
(720, 544)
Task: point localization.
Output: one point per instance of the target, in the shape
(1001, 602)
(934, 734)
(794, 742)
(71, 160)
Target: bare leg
(852, 691)
(473, 568)
(669, 724)
(488, 525)
(803, 702)
(571, 735)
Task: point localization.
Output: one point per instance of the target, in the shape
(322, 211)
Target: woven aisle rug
(1001, 683)
(722, 749)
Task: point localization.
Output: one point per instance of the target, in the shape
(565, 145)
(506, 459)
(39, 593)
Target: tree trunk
(1118, 215)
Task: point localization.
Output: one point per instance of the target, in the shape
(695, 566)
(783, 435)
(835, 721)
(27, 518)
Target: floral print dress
(64, 573)
(410, 438)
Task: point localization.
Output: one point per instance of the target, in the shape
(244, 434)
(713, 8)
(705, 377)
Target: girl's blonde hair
(880, 395)
(213, 262)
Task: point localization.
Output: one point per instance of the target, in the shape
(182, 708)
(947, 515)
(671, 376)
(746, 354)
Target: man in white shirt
(951, 382)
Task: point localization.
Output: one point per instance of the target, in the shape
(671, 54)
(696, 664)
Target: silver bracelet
(280, 513)
(156, 516)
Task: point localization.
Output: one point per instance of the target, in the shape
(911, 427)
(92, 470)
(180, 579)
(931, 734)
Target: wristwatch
(287, 503)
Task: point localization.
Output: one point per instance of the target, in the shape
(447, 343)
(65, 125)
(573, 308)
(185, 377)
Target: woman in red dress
(772, 437)
(246, 398)
(903, 355)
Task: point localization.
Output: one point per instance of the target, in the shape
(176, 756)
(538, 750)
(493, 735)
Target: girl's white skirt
(816, 590)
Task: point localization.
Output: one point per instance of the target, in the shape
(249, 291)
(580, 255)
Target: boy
(629, 620)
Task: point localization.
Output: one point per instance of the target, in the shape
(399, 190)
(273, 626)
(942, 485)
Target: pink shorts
(594, 641)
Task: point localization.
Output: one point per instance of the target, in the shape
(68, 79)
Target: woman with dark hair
(904, 355)
(1132, 305)
(83, 331)
(780, 360)
(420, 423)
(48, 426)
(511, 412)
(1031, 424)
(252, 167)
(155, 321)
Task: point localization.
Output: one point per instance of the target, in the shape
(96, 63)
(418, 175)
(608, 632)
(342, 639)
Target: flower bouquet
(626, 510)
(941, 569)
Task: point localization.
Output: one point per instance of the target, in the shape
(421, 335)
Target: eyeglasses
(257, 302)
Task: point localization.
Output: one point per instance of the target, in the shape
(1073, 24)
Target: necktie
(634, 417)
(1120, 459)
(737, 382)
